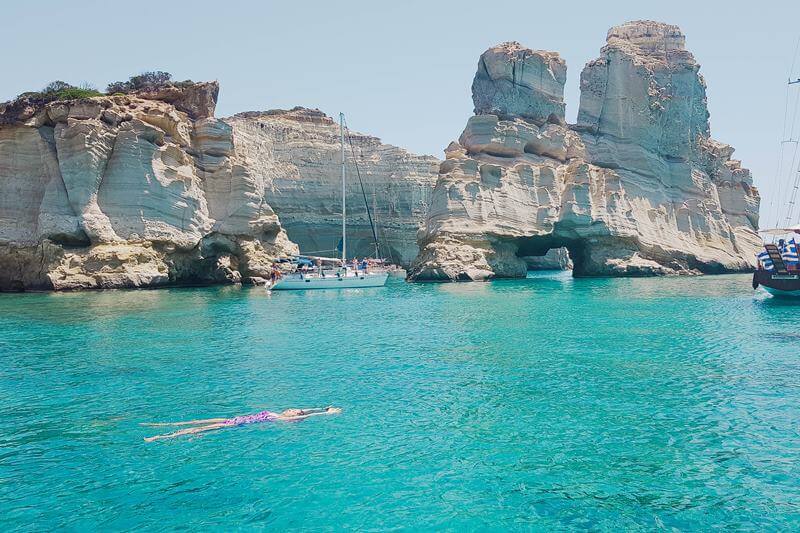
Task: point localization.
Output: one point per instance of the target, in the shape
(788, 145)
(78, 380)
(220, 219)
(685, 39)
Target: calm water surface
(539, 404)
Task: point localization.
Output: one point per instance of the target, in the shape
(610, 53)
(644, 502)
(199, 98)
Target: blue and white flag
(789, 253)
(765, 261)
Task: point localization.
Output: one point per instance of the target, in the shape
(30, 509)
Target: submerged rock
(636, 187)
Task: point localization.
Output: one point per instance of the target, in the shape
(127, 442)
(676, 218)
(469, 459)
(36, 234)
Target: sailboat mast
(374, 224)
(344, 204)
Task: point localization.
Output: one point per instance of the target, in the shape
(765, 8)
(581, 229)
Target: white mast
(344, 206)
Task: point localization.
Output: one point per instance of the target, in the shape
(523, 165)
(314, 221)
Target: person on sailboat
(274, 275)
(212, 424)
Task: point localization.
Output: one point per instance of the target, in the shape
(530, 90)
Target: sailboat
(340, 275)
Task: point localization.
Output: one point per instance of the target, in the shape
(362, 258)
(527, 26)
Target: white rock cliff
(149, 189)
(297, 153)
(636, 187)
(129, 191)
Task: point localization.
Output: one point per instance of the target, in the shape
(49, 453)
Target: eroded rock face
(129, 191)
(516, 81)
(296, 155)
(637, 187)
(198, 100)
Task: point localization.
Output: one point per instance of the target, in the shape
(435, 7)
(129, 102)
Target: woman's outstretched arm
(189, 423)
(325, 411)
(313, 410)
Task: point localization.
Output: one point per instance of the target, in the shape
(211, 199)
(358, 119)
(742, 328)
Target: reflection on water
(545, 403)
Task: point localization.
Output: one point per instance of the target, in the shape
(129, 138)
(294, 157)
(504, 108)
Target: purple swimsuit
(263, 416)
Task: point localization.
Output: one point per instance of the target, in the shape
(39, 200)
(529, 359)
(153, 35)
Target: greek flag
(789, 253)
(765, 261)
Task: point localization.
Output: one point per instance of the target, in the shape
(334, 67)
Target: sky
(402, 70)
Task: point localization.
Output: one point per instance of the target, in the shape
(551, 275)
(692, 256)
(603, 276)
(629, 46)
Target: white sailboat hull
(307, 282)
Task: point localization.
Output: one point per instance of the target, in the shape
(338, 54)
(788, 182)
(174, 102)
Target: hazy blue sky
(399, 70)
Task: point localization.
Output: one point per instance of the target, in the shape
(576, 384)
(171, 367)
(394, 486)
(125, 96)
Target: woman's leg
(189, 423)
(188, 431)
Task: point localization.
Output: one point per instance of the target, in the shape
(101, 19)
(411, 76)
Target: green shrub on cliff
(60, 90)
(146, 81)
(77, 93)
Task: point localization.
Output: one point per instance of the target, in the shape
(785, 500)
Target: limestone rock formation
(198, 100)
(554, 259)
(636, 187)
(297, 155)
(516, 81)
(129, 191)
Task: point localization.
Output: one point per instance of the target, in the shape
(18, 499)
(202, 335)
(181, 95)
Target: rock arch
(636, 187)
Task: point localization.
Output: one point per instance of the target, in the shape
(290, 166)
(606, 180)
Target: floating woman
(212, 424)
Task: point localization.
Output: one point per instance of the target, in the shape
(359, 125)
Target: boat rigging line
(796, 181)
(363, 192)
(788, 127)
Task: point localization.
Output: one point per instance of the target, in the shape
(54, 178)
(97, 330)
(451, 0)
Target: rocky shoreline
(149, 189)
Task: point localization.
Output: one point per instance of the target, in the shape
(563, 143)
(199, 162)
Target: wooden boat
(782, 280)
(779, 265)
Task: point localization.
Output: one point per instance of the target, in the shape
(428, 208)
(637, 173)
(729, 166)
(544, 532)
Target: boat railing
(333, 272)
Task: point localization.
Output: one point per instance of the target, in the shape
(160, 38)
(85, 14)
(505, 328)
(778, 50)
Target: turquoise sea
(540, 404)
